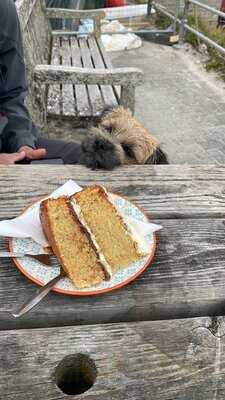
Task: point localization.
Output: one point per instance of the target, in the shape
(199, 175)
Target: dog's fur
(120, 139)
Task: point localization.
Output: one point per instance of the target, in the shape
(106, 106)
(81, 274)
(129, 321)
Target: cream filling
(135, 231)
(133, 228)
(101, 257)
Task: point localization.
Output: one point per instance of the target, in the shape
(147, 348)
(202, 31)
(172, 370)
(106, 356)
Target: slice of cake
(71, 243)
(113, 241)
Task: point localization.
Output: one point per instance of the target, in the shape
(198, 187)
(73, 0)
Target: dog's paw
(158, 157)
(98, 152)
(93, 143)
(89, 161)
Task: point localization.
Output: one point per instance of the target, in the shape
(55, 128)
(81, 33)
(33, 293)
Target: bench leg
(39, 105)
(127, 98)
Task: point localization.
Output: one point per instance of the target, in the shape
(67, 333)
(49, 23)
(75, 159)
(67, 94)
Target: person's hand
(32, 154)
(9, 159)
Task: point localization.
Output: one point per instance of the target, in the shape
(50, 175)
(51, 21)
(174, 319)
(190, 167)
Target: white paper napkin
(28, 225)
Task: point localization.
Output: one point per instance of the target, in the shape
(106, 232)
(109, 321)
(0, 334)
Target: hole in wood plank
(75, 374)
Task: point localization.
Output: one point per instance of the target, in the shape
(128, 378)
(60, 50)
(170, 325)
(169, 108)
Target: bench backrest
(36, 33)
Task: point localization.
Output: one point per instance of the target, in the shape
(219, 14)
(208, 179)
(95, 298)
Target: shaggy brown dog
(120, 139)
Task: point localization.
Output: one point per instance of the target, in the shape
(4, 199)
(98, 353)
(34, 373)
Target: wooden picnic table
(161, 337)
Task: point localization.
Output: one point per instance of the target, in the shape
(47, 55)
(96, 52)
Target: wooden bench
(70, 77)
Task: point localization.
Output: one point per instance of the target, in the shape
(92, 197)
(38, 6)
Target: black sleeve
(20, 129)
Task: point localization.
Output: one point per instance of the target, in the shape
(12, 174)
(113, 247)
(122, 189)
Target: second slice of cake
(111, 236)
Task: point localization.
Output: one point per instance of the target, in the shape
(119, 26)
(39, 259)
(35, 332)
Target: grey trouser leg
(69, 152)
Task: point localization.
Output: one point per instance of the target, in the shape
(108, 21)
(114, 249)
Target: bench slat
(93, 90)
(161, 360)
(108, 64)
(68, 103)
(107, 90)
(80, 100)
(54, 91)
(83, 105)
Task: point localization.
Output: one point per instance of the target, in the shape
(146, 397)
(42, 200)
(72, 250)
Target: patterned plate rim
(96, 291)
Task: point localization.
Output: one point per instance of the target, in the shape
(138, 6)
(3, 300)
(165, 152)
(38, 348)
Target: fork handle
(40, 294)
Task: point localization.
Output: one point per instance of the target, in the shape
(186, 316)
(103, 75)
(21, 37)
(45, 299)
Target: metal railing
(126, 15)
(183, 22)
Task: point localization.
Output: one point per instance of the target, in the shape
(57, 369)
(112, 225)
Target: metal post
(149, 9)
(176, 16)
(185, 27)
(183, 22)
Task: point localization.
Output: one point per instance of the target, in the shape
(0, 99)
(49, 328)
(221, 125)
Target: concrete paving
(179, 102)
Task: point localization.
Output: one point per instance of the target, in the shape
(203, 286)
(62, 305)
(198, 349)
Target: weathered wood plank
(186, 279)
(125, 93)
(68, 101)
(76, 14)
(164, 360)
(188, 273)
(54, 102)
(107, 91)
(82, 101)
(166, 191)
(93, 90)
(95, 15)
(108, 64)
(117, 76)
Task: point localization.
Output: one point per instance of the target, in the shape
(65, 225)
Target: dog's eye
(128, 150)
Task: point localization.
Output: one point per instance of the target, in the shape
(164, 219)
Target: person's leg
(69, 152)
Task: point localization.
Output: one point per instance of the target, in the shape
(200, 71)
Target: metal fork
(39, 295)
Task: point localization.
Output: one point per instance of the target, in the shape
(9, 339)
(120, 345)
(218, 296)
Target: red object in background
(115, 3)
(221, 20)
(222, 8)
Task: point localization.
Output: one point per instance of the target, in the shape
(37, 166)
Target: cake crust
(46, 226)
(95, 275)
